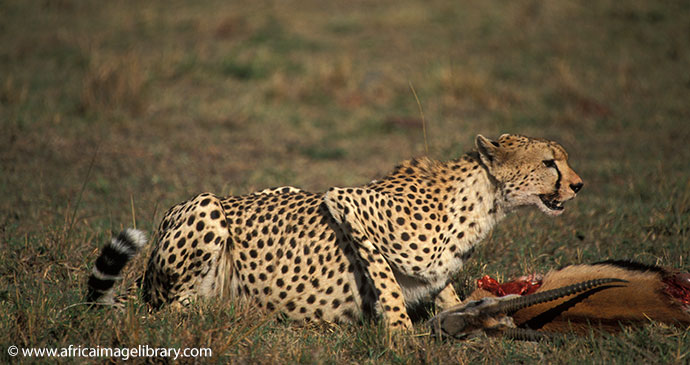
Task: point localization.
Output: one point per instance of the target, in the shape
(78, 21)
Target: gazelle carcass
(573, 299)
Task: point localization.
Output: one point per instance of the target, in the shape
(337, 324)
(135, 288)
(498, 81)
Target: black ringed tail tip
(109, 264)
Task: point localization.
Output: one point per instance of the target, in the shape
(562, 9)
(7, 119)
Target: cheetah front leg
(447, 298)
(388, 291)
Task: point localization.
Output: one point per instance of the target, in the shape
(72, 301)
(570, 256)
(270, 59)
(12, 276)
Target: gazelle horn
(513, 305)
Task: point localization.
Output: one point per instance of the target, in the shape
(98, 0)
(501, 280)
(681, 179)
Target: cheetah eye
(549, 163)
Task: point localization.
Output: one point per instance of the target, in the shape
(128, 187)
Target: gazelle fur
(580, 298)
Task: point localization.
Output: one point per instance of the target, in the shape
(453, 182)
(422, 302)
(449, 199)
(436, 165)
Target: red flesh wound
(678, 287)
(518, 286)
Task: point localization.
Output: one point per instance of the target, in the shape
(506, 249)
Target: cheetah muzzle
(348, 253)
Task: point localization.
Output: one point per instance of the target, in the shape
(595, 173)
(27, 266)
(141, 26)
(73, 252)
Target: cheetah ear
(488, 149)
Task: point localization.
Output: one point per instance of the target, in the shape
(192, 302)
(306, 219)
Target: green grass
(180, 97)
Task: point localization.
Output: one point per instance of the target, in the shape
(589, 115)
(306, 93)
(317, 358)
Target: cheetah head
(531, 171)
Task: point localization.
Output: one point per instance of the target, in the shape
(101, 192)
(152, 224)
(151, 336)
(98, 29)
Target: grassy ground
(110, 112)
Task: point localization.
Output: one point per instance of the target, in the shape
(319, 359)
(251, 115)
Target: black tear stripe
(560, 176)
(558, 181)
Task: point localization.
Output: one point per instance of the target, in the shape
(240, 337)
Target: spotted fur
(356, 252)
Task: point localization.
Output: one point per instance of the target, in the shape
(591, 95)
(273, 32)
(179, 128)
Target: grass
(180, 97)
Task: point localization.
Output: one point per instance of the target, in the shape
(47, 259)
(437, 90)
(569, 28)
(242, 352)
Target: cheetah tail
(109, 265)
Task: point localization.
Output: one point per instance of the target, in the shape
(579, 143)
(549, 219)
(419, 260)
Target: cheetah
(349, 253)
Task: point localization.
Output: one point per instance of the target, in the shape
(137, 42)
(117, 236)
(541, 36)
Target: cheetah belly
(415, 289)
(301, 268)
(328, 293)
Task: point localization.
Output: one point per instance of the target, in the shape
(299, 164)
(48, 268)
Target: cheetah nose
(576, 187)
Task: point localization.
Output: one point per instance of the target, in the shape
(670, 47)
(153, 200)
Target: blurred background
(113, 111)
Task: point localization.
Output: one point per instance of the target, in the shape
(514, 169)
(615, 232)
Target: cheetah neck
(461, 201)
(474, 203)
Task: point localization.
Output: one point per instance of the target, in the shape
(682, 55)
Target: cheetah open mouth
(551, 203)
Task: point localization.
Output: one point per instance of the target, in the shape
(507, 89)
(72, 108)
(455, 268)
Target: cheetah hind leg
(193, 256)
